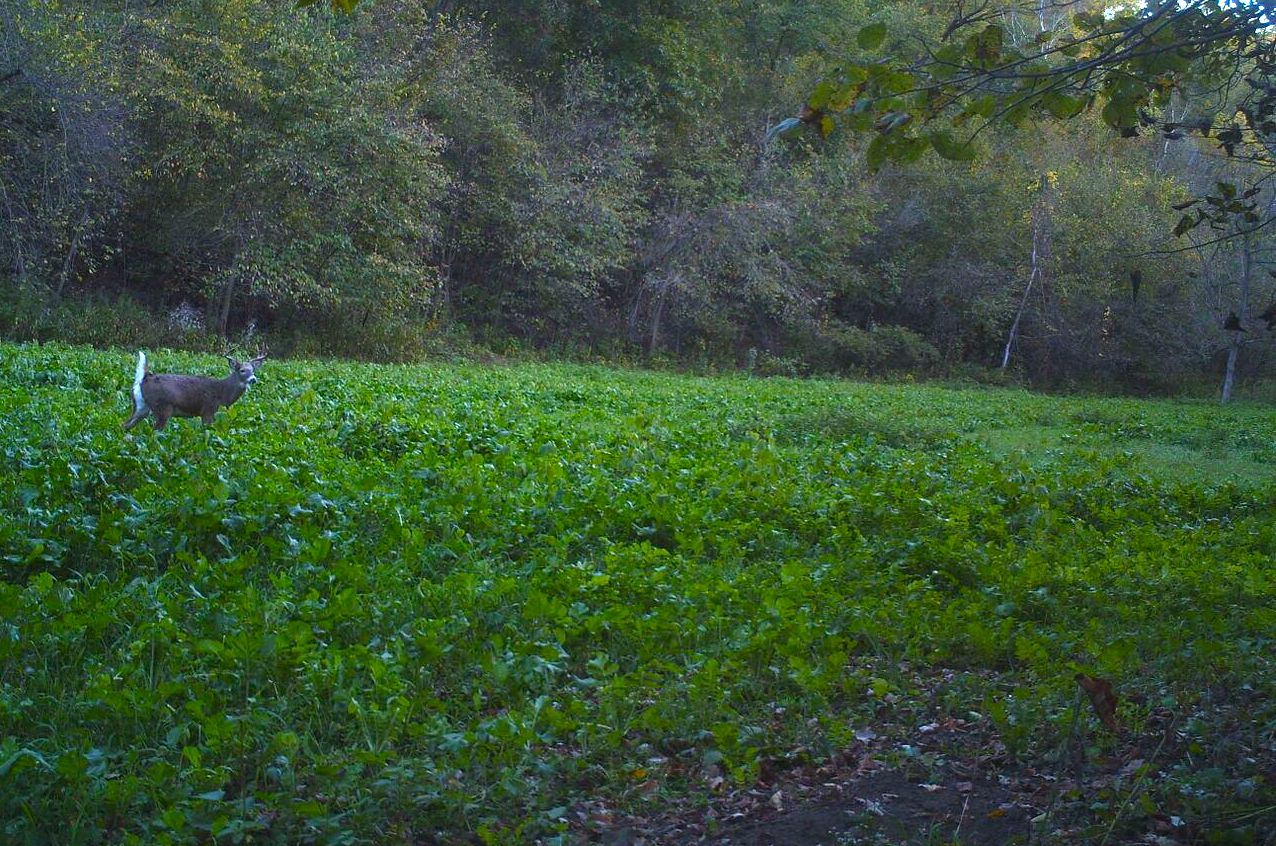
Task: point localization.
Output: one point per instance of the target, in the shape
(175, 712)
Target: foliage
(300, 185)
(547, 175)
(1129, 62)
(395, 604)
(64, 145)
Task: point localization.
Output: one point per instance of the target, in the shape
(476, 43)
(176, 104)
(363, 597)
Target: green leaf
(910, 148)
(73, 766)
(820, 96)
(984, 106)
(1063, 106)
(1120, 113)
(877, 152)
(985, 46)
(950, 148)
(860, 122)
(22, 759)
(871, 36)
(894, 82)
(843, 94)
(309, 809)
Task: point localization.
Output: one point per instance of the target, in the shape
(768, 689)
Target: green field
(423, 604)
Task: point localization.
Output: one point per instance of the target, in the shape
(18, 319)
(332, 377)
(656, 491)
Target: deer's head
(244, 372)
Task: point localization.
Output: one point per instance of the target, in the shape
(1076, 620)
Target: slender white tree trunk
(1242, 310)
(1233, 353)
(1040, 226)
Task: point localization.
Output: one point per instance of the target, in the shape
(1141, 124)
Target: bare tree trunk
(1171, 118)
(223, 311)
(19, 260)
(1014, 327)
(1242, 310)
(1040, 235)
(657, 310)
(69, 262)
(1229, 376)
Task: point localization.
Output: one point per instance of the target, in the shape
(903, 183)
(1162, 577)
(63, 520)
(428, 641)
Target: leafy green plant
(389, 603)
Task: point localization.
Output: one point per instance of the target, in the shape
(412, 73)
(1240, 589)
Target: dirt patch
(949, 780)
(955, 786)
(849, 802)
(886, 807)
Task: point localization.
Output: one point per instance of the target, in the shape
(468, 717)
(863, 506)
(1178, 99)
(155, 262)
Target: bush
(840, 348)
(28, 313)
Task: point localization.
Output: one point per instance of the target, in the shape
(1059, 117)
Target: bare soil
(888, 807)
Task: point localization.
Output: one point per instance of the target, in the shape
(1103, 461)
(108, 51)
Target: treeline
(575, 177)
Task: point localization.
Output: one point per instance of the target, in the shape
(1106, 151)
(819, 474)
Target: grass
(391, 604)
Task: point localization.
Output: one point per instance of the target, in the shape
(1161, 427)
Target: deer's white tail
(139, 374)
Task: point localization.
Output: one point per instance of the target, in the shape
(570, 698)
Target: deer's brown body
(168, 395)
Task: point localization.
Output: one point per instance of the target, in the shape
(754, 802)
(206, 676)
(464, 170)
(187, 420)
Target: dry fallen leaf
(1101, 697)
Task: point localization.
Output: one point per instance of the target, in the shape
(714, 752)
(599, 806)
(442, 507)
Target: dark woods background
(579, 179)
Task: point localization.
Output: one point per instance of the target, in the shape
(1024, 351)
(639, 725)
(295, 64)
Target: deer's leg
(161, 418)
(208, 416)
(138, 417)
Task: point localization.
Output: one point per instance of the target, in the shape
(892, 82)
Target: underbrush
(404, 603)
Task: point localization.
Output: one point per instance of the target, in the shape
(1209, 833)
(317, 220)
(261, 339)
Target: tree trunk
(19, 260)
(1229, 377)
(658, 308)
(69, 262)
(223, 312)
(1040, 244)
(1242, 311)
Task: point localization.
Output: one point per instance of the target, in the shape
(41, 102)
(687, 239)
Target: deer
(177, 395)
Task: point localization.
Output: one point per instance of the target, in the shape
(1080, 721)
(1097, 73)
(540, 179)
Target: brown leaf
(1102, 698)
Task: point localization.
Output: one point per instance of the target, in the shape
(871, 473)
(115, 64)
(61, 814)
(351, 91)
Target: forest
(390, 180)
(648, 422)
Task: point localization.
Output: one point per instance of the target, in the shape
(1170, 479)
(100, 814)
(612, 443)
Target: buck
(176, 395)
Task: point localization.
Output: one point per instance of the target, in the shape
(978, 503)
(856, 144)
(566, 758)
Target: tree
(1175, 69)
(64, 148)
(1129, 61)
(297, 182)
